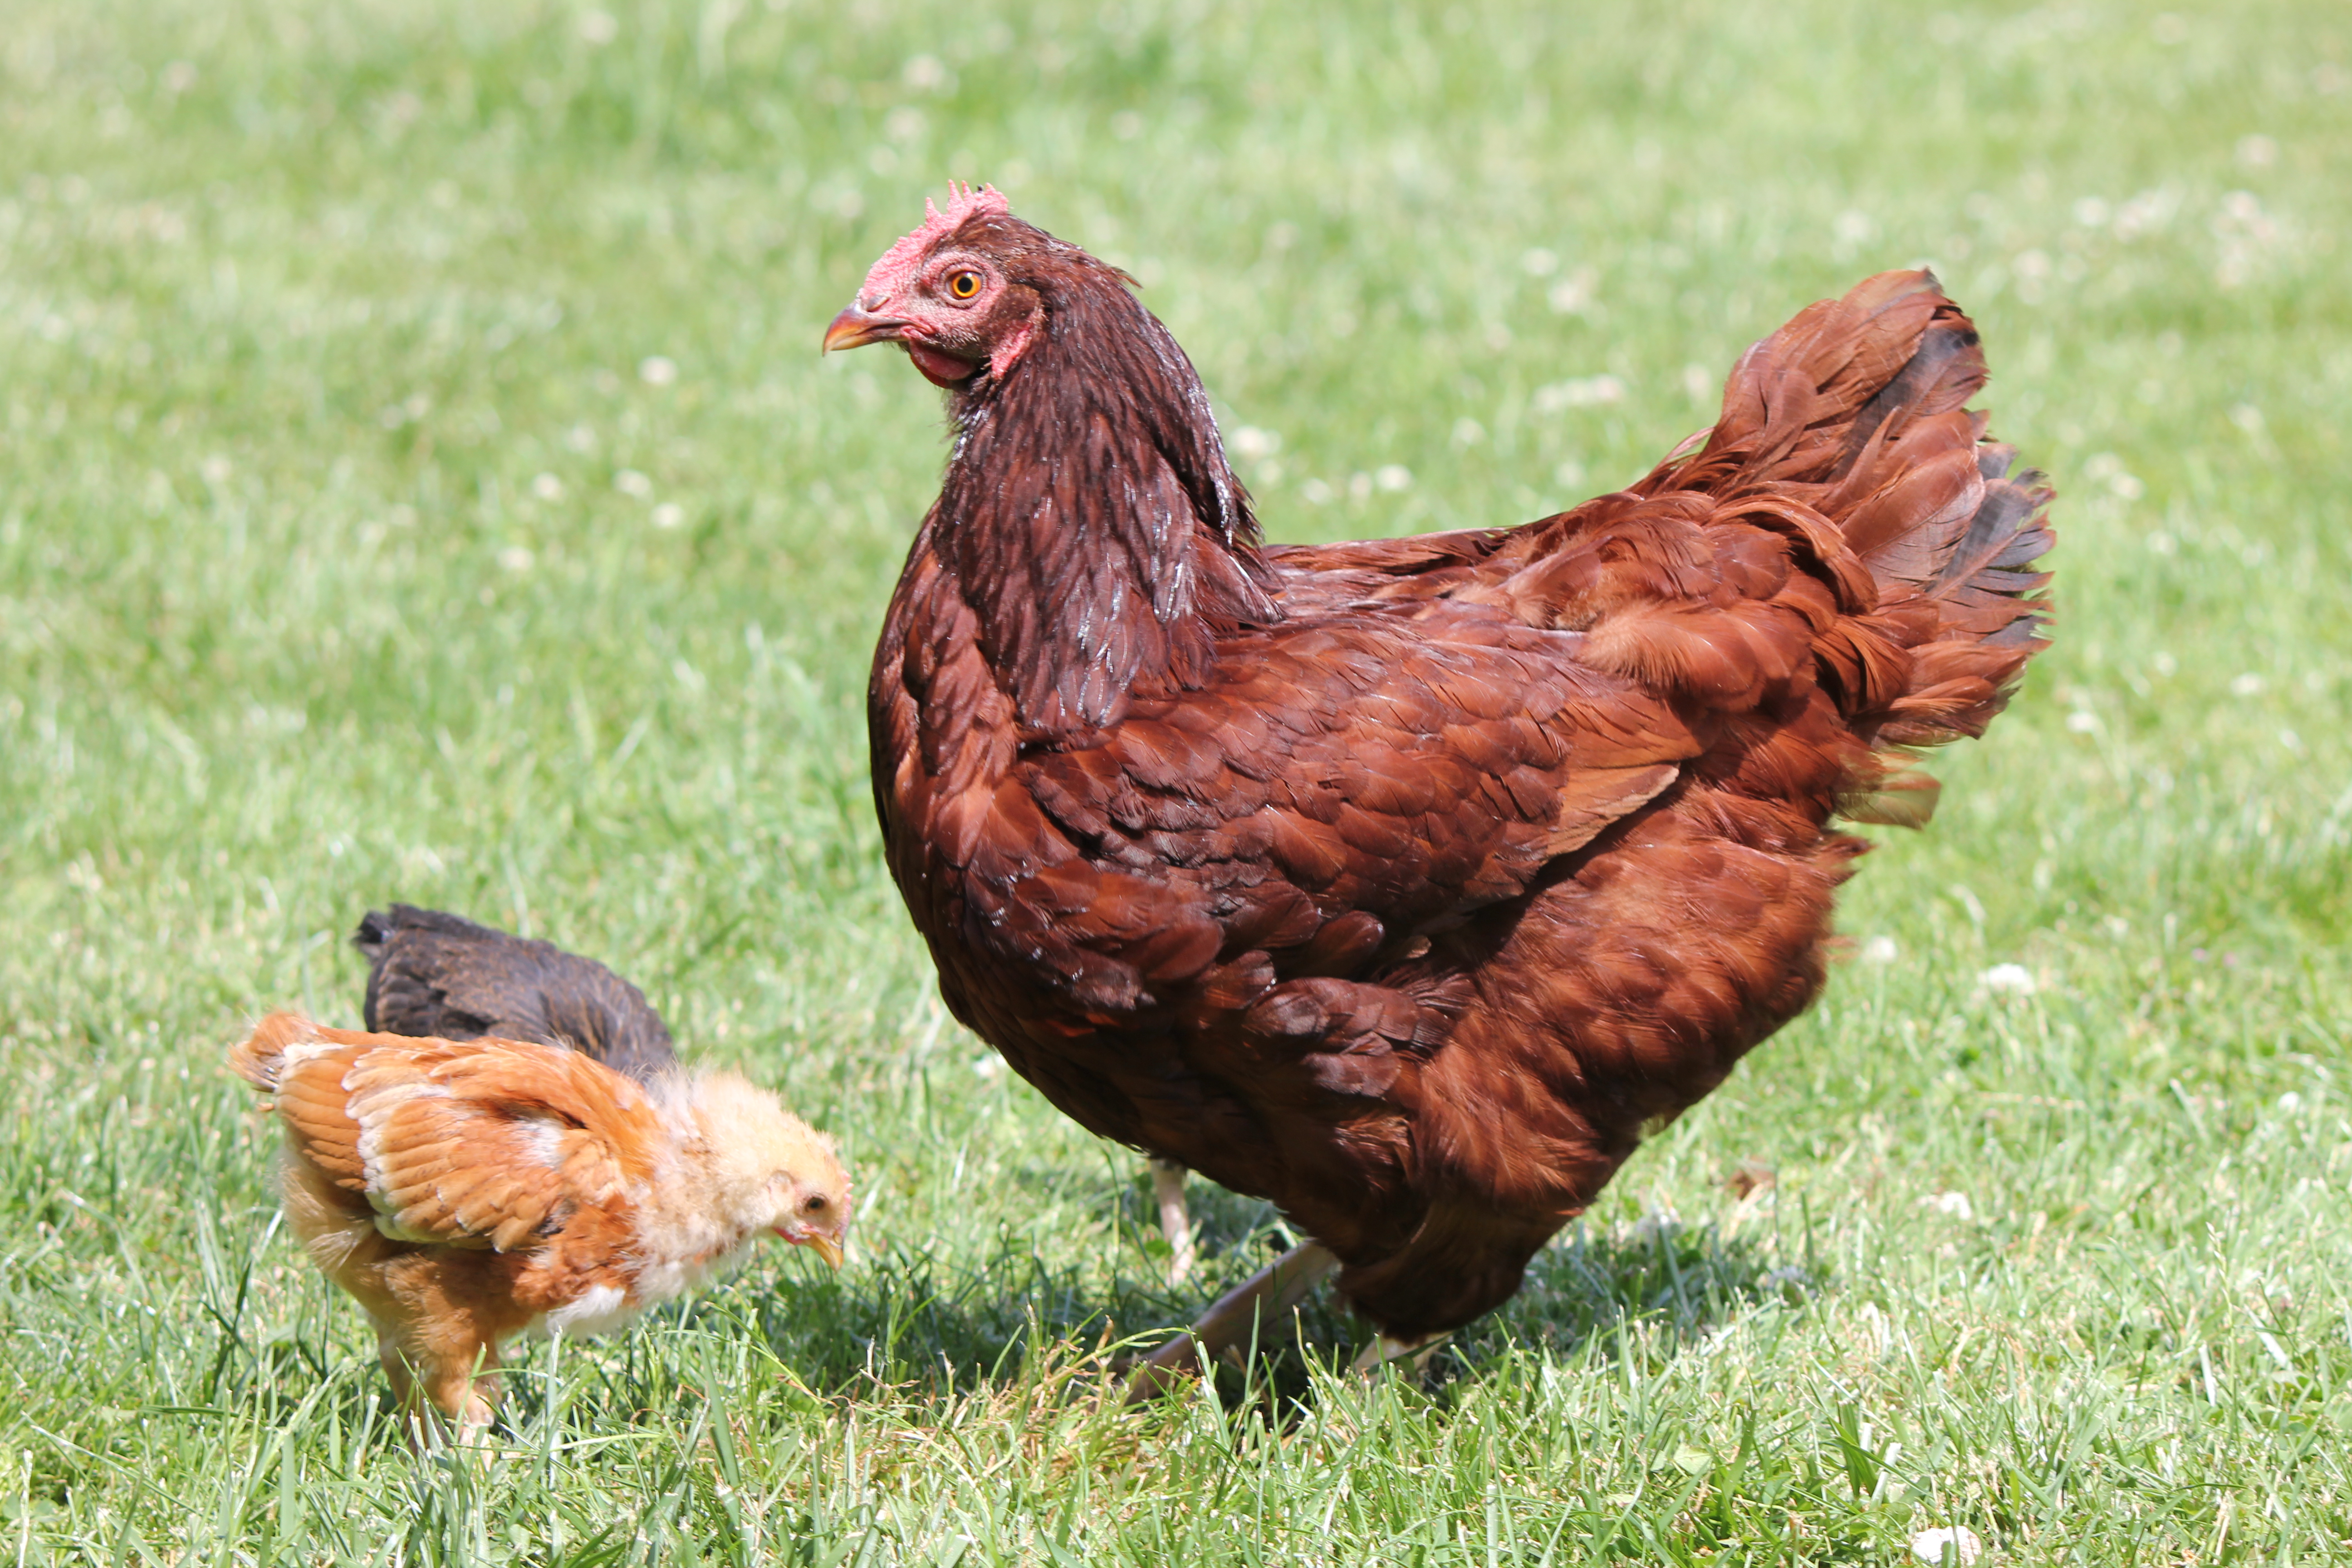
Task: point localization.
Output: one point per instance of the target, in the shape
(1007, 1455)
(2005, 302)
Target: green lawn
(418, 479)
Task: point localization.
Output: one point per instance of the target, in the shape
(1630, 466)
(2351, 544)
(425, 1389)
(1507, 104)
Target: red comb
(963, 201)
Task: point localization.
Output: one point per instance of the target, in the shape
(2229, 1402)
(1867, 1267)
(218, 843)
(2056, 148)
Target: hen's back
(1845, 526)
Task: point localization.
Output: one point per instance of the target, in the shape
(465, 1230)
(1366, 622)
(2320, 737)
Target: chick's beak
(855, 327)
(823, 1246)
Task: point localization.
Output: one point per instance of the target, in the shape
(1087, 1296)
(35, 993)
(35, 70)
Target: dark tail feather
(432, 974)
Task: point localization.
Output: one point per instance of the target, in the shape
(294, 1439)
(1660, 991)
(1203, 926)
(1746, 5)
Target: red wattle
(939, 369)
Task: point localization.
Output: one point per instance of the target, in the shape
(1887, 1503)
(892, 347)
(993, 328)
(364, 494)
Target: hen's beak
(855, 328)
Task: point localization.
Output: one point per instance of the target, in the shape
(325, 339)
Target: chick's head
(768, 1170)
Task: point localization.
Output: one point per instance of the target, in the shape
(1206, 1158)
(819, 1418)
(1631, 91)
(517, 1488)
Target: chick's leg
(1235, 1318)
(396, 1364)
(1175, 1223)
(463, 1386)
(441, 1365)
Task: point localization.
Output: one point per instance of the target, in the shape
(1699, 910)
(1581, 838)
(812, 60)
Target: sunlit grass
(417, 481)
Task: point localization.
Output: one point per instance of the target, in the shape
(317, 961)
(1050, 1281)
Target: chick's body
(465, 1193)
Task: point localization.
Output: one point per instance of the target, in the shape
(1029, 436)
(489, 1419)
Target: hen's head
(762, 1168)
(968, 293)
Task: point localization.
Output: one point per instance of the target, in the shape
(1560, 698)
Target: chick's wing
(491, 1142)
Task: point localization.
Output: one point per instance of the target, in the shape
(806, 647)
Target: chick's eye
(814, 1205)
(963, 285)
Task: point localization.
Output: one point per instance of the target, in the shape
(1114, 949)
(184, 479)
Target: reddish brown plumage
(1406, 882)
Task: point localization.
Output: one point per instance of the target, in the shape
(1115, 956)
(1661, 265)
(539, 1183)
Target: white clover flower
(1581, 391)
(1251, 442)
(1929, 1545)
(2008, 979)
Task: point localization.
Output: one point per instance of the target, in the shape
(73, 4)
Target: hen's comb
(963, 201)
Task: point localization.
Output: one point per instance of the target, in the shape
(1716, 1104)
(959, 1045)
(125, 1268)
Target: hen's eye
(964, 285)
(814, 1205)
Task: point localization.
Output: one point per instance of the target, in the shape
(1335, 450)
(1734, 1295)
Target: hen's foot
(1175, 1223)
(1234, 1319)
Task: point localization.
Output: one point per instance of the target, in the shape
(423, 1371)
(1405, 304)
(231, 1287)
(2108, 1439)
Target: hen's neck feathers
(1089, 518)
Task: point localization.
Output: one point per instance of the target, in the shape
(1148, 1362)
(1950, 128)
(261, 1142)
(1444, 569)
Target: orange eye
(964, 285)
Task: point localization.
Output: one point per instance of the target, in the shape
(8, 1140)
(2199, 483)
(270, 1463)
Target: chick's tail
(1847, 426)
(260, 1058)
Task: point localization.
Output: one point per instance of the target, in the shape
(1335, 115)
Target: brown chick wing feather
(302, 1066)
(488, 1142)
(1465, 857)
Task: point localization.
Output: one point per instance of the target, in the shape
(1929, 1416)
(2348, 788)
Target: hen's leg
(1261, 1299)
(1386, 1348)
(1175, 1224)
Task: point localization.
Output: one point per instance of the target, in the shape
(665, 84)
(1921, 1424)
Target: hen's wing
(485, 1143)
(435, 975)
(1388, 770)
(1438, 721)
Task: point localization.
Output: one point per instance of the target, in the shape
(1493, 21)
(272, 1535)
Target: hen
(442, 976)
(1408, 883)
(464, 1193)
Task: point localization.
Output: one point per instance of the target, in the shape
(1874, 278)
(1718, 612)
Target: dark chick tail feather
(437, 976)
(1847, 428)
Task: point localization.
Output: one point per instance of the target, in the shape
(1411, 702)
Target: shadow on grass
(914, 1316)
(929, 1324)
(1591, 1295)
(924, 1323)
(928, 1329)
(1682, 1280)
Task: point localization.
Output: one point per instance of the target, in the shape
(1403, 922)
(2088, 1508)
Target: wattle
(939, 369)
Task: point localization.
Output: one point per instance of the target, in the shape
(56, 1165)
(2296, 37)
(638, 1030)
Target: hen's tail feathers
(260, 1057)
(1846, 426)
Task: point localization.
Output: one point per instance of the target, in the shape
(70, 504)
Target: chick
(466, 1193)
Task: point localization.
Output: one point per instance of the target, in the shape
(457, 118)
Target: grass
(417, 481)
